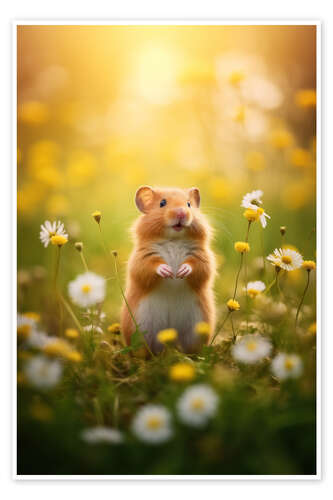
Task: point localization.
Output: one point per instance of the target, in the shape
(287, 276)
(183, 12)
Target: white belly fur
(173, 304)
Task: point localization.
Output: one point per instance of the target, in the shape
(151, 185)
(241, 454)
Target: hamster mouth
(178, 226)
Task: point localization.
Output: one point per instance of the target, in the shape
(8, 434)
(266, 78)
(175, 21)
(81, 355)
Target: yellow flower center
(289, 364)
(286, 259)
(251, 346)
(197, 404)
(59, 240)
(154, 422)
(86, 288)
(260, 210)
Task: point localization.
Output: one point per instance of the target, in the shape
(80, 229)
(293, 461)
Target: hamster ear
(144, 198)
(195, 196)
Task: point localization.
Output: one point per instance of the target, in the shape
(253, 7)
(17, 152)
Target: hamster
(171, 270)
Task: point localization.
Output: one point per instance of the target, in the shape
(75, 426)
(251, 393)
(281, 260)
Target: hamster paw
(164, 271)
(183, 271)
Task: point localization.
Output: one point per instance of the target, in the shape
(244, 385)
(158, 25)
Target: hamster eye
(163, 203)
(188, 204)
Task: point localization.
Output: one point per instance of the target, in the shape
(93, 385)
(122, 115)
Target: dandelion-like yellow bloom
(242, 247)
(57, 348)
(182, 372)
(281, 139)
(114, 328)
(97, 215)
(305, 98)
(59, 240)
(167, 336)
(71, 333)
(309, 265)
(74, 356)
(32, 315)
(300, 157)
(233, 305)
(202, 329)
(313, 328)
(253, 215)
(236, 77)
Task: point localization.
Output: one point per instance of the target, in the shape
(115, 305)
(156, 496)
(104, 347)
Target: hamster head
(170, 213)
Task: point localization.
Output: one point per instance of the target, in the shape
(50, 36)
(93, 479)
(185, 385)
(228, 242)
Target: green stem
(263, 250)
(237, 277)
(302, 298)
(57, 266)
(84, 261)
(71, 313)
(218, 331)
(234, 336)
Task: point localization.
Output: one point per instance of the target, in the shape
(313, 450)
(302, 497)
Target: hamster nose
(180, 214)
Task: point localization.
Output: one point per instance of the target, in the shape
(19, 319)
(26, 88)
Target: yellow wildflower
(202, 329)
(71, 333)
(74, 356)
(233, 305)
(242, 247)
(167, 336)
(114, 328)
(59, 240)
(182, 372)
(252, 215)
(305, 98)
(57, 347)
(309, 265)
(32, 315)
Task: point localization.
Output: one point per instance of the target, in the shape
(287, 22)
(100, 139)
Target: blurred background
(229, 109)
(104, 109)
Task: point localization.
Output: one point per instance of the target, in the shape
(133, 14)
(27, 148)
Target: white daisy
(197, 405)
(251, 348)
(25, 325)
(96, 435)
(287, 366)
(93, 328)
(286, 258)
(253, 288)
(87, 289)
(253, 201)
(49, 229)
(152, 424)
(39, 340)
(43, 372)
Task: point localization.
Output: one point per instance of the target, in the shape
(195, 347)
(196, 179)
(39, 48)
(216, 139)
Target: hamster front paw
(183, 271)
(164, 271)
